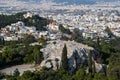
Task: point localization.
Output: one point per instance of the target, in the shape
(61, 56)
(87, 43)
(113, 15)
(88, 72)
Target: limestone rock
(77, 55)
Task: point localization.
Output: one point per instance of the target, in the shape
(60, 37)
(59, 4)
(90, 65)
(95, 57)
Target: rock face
(77, 54)
(100, 67)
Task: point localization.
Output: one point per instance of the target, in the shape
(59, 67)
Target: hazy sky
(46, 4)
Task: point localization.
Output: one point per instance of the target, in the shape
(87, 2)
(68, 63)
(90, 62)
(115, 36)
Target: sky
(58, 1)
(46, 4)
(74, 0)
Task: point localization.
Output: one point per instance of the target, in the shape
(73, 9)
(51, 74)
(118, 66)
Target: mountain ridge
(69, 2)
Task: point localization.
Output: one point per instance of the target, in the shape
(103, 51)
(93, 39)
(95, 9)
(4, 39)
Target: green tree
(16, 72)
(63, 75)
(80, 75)
(113, 71)
(0, 41)
(108, 31)
(28, 58)
(64, 30)
(105, 49)
(98, 46)
(36, 21)
(2, 75)
(27, 39)
(11, 78)
(57, 63)
(75, 34)
(27, 75)
(89, 77)
(38, 56)
(42, 41)
(64, 59)
(100, 76)
(93, 68)
(90, 61)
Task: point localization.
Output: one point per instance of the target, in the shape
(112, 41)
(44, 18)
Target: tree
(108, 31)
(28, 58)
(64, 30)
(0, 41)
(80, 75)
(90, 61)
(11, 78)
(89, 77)
(64, 60)
(42, 41)
(27, 75)
(2, 75)
(57, 62)
(98, 46)
(16, 72)
(94, 68)
(38, 56)
(27, 39)
(63, 75)
(100, 76)
(35, 20)
(77, 35)
(113, 71)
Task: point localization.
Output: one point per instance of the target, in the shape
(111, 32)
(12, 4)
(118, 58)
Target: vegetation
(76, 34)
(42, 41)
(80, 75)
(38, 56)
(8, 19)
(90, 62)
(64, 59)
(16, 73)
(108, 31)
(27, 39)
(19, 52)
(113, 71)
(36, 21)
(64, 30)
(49, 74)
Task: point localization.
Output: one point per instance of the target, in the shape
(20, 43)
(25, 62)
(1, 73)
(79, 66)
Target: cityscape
(59, 40)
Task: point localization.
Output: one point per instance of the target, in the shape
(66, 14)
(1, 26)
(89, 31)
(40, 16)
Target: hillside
(38, 22)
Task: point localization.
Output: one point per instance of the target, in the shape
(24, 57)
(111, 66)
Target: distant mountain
(74, 1)
(84, 1)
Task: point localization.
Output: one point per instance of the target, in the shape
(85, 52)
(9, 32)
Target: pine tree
(90, 61)
(38, 56)
(94, 68)
(98, 43)
(16, 73)
(64, 60)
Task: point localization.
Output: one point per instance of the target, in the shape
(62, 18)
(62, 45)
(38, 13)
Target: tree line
(35, 20)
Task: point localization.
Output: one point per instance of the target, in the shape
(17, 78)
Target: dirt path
(21, 68)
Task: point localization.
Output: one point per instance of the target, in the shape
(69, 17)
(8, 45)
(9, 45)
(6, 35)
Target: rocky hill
(77, 55)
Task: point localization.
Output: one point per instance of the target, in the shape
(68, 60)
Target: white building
(31, 29)
(10, 38)
(89, 34)
(28, 15)
(53, 26)
(43, 34)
